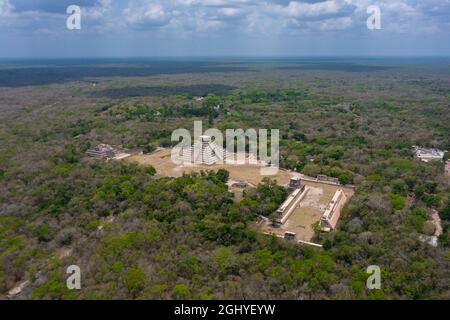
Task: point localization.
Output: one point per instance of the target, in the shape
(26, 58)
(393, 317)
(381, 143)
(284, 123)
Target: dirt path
(437, 221)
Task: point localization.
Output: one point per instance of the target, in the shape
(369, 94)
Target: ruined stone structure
(204, 151)
(428, 154)
(292, 202)
(323, 178)
(290, 235)
(332, 214)
(105, 151)
(295, 183)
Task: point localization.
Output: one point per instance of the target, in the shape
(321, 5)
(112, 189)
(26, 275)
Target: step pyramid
(204, 151)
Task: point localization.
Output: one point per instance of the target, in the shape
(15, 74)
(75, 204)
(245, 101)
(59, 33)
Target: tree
(399, 186)
(446, 156)
(223, 175)
(181, 291)
(149, 148)
(445, 212)
(150, 170)
(311, 170)
(134, 280)
(397, 202)
(344, 177)
(43, 232)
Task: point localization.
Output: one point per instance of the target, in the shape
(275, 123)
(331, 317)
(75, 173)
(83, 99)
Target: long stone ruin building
(332, 214)
(293, 200)
(327, 179)
(105, 151)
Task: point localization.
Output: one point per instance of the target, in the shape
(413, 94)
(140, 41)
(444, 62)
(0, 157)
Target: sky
(125, 28)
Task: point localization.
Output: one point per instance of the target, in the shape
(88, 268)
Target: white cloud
(185, 15)
(5, 8)
(303, 9)
(222, 17)
(331, 24)
(98, 10)
(146, 15)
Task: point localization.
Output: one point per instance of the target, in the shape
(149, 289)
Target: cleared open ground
(164, 166)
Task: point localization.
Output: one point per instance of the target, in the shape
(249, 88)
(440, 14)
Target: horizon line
(225, 57)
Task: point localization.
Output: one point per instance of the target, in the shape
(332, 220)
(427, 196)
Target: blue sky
(37, 28)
